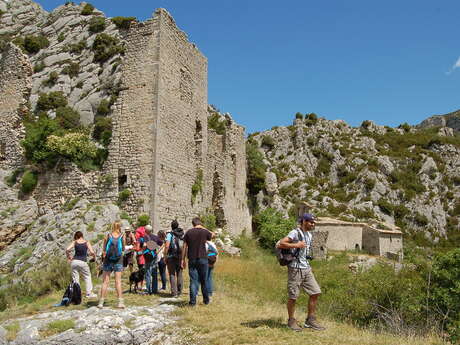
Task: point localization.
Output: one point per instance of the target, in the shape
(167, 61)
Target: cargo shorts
(301, 278)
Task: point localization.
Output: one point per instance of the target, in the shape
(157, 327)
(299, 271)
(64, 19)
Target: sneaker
(121, 305)
(91, 295)
(311, 322)
(292, 324)
(101, 304)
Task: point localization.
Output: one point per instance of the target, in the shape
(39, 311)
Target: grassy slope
(248, 308)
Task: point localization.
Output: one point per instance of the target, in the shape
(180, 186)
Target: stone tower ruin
(162, 155)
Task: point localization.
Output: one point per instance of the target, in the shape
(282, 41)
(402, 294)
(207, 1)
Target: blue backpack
(114, 249)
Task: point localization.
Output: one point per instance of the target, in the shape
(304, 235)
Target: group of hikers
(169, 251)
(162, 252)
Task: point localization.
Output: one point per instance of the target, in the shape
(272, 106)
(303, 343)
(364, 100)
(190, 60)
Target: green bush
(311, 119)
(105, 46)
(34, 142)
(365, 124)
(52, 79)
(103, 108)
(79, 85)
(256, 168)
(405, 126)
(70, 204)
(87, 10)
(215, 123)
(446, 290)
(385, 206)
(123, 22)
(299, 116)
(103, 130)
(125, 215)
(124, 195)
(39, 66)
(197, 186)
(323, 167)
(369, 183)
(72, 69)
(33, 44)
(76, 48)
(209, 221)
(11, 180)
(61, 37)
(268, 141)
(67, 117)
(272, 226)
(96, 24)
(28, 182)
(143, 220)
(52, 100)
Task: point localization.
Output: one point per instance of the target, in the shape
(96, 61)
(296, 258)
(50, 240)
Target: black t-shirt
(196, 241)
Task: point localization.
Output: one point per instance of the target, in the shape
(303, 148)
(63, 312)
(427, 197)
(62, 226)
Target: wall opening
(198, 139)
(357, 246)
(122, 178)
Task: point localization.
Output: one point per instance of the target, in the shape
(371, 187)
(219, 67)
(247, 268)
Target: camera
(309, 257)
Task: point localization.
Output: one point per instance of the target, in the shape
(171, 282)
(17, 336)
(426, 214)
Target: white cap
(148, 227)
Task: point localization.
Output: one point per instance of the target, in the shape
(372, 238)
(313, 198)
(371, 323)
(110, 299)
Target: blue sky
(386, 61)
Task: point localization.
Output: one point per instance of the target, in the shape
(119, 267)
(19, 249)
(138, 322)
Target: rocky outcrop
(404, 176)
(451, 120)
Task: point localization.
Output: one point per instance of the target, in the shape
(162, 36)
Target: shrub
(215, 123)
(123, 22)
(311, 119)
(385, 206)
(272, 226)
(106, 180)
(34, 142)
(143, 220)
(125, 215)
(87, 10)
(52, 100)
(11, 180)
(405, 126)
(103, 107)
(197, 186)
(268, 141)
(72, 69)
(446, 290)
(420, 219)
(105, 46)
(103, 130)
(67, 117)
(365, 124)
(96, 24)
(323, 167)
(28, 182)
(76, 48)
(77, 147)
(369, 183)
(209, 221)
(124, 195)
(256, 168)
(79, 85)
(299, 116)
(70, 204)
(39, 66)
(61, 37)
(52, 79)
(33, 44)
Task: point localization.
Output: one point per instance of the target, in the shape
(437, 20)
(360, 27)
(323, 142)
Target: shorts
(128, 259)
(301, 278)
(112, 267)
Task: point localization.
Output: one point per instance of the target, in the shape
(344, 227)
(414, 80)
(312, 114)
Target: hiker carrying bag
(212, 254)
(150, 252)
(287, 255)
(175, 247)
(114, 249)
(72, 294)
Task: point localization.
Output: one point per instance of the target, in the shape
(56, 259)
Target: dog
(135, 278)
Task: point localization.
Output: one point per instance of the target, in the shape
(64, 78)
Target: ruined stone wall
(15, 83)
(371, 240)
(226, 165)
(390, 243)
(182, 125)
(342, 236)
(319, 244)
(135, 121)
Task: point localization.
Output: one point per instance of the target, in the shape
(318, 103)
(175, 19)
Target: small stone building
(344, 235)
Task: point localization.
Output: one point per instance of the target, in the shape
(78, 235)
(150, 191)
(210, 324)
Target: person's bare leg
(291, 308)
(312, 305)
(105, 284)
(118, 284)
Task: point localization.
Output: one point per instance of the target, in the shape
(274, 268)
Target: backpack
(212, 254)
(286, 256)
(175, 246)
(72, 294)
(114, 249)
(150, 252)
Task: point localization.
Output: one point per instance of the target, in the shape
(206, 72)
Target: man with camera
(300, 274)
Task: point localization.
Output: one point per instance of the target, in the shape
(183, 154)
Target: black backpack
(286, 256)
(175, 246)
(72, 294)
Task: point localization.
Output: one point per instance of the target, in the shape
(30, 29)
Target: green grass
(56, 327)
(12, 330)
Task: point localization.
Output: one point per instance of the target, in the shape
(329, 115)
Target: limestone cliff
(404, 175)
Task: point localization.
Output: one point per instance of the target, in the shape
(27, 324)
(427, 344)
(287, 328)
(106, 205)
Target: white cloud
(456, 65)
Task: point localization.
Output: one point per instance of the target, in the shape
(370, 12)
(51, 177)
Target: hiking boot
(121, 305)
(311, 322)
(292, 324)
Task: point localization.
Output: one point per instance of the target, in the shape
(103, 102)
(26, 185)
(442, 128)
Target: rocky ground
(149, 324)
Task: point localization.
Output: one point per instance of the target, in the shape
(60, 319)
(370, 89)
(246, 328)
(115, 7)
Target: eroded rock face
(365, 173)
(93, 326)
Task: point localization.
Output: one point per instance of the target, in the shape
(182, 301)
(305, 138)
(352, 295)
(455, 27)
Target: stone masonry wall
(182, 128)
(15, 86)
